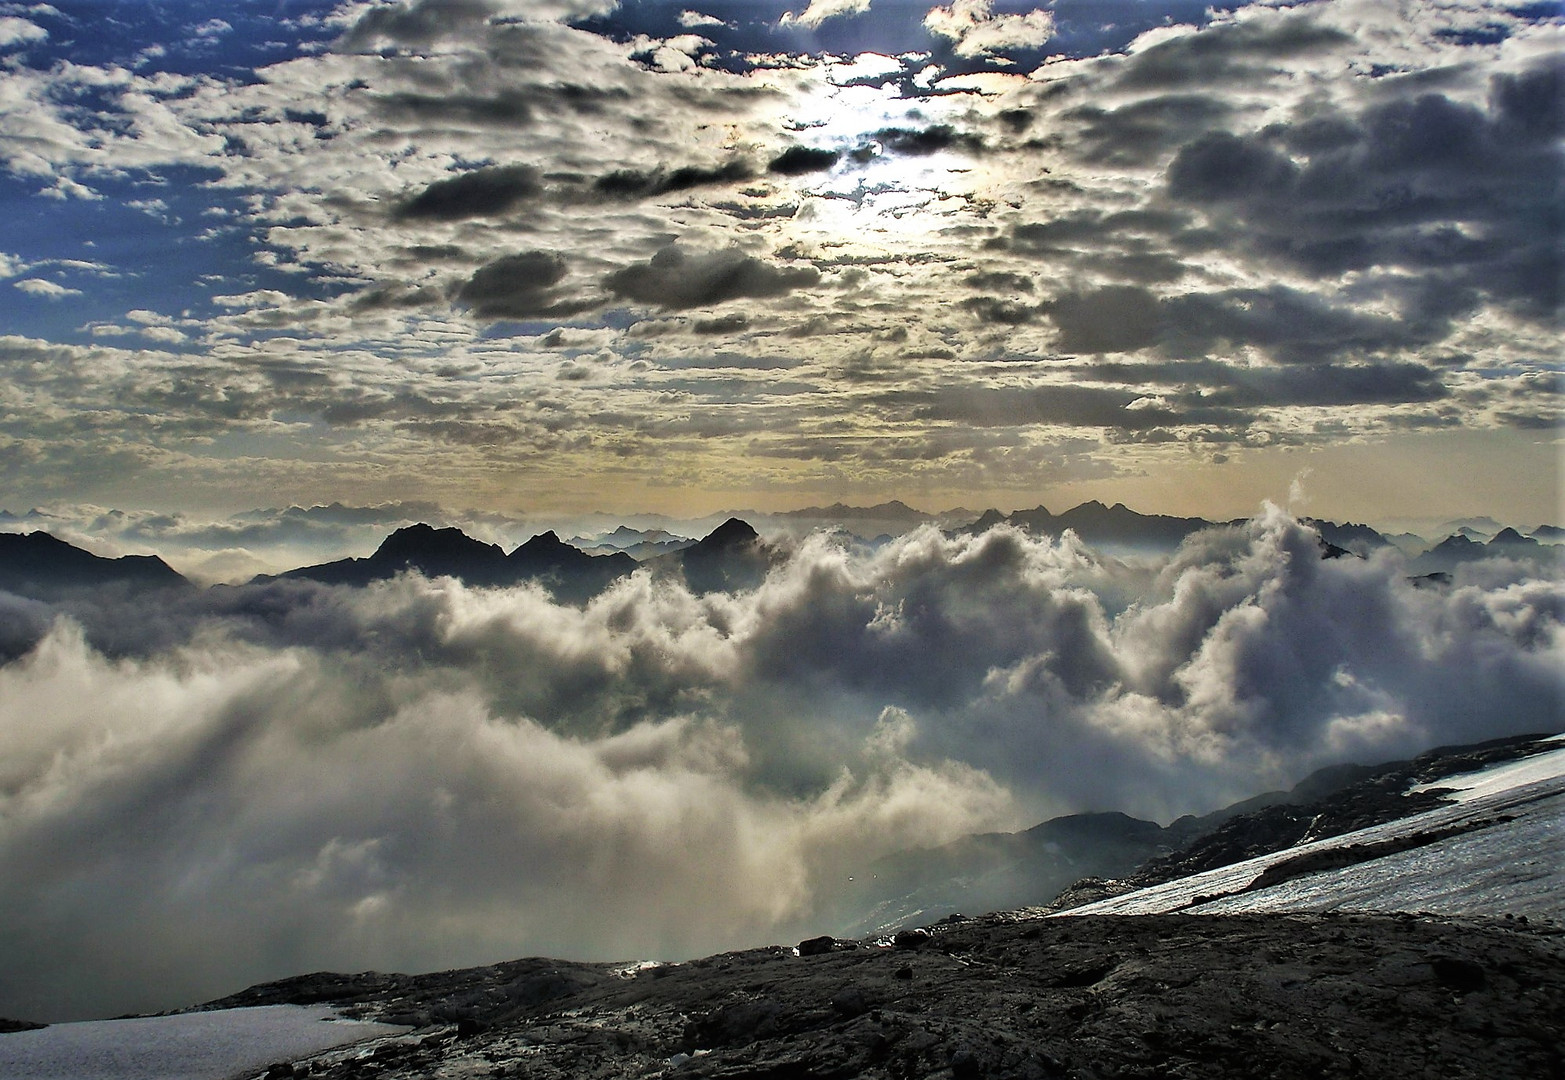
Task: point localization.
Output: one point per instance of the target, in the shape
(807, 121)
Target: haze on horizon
(557, 256)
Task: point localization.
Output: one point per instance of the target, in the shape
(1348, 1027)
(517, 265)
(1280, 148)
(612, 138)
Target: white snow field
(1508, 859)
(215, 1045)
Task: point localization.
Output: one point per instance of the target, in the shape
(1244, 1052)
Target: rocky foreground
(1000, 996)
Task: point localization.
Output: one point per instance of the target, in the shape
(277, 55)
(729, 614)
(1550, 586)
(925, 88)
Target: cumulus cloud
(1426, 186)
(258, 781)
(975, 30)
(693, 20)
(49, 290)
(819, 11)
(15, 31)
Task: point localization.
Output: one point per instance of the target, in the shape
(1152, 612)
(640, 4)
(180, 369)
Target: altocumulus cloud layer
(288, 777)
(510, 250)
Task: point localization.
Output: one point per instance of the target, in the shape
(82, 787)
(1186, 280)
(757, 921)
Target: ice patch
(1493, 851)
(1475, 785)
(187, 1046)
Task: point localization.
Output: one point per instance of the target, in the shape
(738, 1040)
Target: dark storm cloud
(1290, 325)
(1463, 198)
(634, 183)
(520, 286)
(679, 278)
(798, 160)
(991, 309)
(999, 280)
(1141, 132)
(1230, 52)
(416, 24)
(507, 108)
(479, 193)
(919, 142)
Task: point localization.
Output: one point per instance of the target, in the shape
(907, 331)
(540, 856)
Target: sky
(556, 256)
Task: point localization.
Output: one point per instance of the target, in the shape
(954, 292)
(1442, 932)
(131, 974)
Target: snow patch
(186, 1046)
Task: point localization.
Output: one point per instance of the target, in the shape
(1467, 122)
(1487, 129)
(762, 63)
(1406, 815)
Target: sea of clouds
(258, 781)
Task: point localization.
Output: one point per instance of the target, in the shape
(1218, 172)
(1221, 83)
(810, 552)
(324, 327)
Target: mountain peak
(731, 533)
(422, 541)
(1509, 535)
(544, 541)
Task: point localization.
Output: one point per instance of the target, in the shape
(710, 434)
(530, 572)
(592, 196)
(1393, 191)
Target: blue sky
(552, 256)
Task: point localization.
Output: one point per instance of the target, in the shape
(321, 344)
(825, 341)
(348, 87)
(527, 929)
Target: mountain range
(731, 557)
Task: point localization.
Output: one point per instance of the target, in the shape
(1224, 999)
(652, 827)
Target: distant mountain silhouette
(1118, 526)
(1359, 539)
(1548, 534)
(639, 544)
(731, 558)
(567, 572)
(1094, 523)
(895, 510)
(1480, 527)
(988, 871)
(1458, 548)
(44, 567)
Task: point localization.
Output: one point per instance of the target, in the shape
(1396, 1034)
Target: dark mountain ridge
(42, 566)
(731, 558)
(567, 572)
(1082, 857)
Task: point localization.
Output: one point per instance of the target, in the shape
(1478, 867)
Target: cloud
(974, 29)
(519, 287)
(480, 193)
(819, 11)
(258, 781)
(1361, 190)
(625, 183)
(15, 31)
(49, 290)
(680, 278)
(1425, 187)
(421, 25)
(244, 814)
(798, 160)
(693, 20)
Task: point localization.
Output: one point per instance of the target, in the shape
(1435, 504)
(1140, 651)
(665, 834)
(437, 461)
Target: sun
(902, 171)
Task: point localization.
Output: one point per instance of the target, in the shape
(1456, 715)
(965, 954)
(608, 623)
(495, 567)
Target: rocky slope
(998, 996)
(1087, 857)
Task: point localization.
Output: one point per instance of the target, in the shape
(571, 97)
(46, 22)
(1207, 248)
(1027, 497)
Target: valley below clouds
(245, 782)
